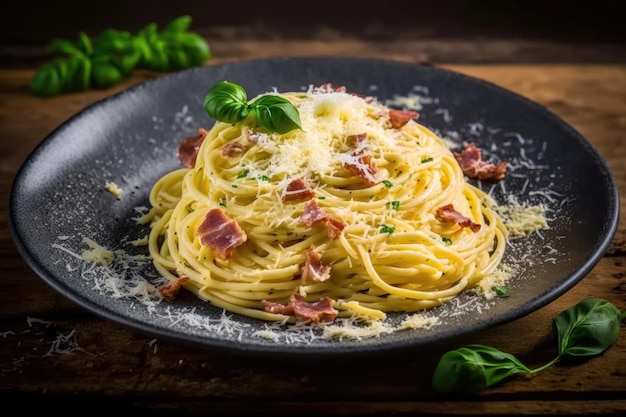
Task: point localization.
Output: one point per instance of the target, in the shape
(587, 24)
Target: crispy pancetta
(221, 233)
(472, 165)
(447, 213)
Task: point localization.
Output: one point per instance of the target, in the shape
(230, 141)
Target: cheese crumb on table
(113, 189)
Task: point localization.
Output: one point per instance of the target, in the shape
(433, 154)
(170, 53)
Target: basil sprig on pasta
(228, 102)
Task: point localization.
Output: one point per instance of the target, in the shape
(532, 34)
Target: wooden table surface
(111, 368)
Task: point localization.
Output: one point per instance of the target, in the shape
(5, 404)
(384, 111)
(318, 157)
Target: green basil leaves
(474, 367)
(587, 329)
(228, 102)
(113, 55)
(582, 331)
(276, 114)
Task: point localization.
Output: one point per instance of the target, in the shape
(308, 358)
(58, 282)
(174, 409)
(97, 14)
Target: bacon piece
(359, 163)
(399, 118)
(189, 147)
(297, 190)
(277, 308)
(169, 290)
(447, 213)
(473, 166)
(233, 148)
(321, 310)
(221, 233)
(334, 227)
(364, 168)
(313, 215)
(357, 139)
(314, 270)
(253, 137)
(316, 312)
(328, 88)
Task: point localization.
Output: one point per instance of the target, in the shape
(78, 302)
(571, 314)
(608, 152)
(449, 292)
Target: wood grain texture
(115, 369)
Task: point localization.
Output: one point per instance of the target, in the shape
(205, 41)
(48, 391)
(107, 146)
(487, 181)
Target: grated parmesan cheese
(348, 330)
(496, 279)
(97, 253)
(418, 321)
(113, 189)
(140, 242)
(520, 219)
(325, 118)
(409, 102)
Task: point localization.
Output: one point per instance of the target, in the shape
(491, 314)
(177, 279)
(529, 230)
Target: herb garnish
(581, 331)
(384, 228)
(228, 102)
(502, 292)
(113, 55)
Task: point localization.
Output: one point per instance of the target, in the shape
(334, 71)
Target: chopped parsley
(446, 241)
(243, 173)
(387, 229)
(502, 292)
(424, 160)
(387, 183)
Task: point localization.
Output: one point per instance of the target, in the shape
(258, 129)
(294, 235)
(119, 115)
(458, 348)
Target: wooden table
(114, 369)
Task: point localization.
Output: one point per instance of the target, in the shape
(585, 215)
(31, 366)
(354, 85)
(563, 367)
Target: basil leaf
(85, 43)
(176, 57)
(586, 329)
(127, 62)
(105, 74)
(159, 61)
(179, 25)
(64, 47)
(113, 40)
(82, 75)
(227, 102)
(77, 76)
(145, 52)
(276, 114)
(196, 47)
(474, 367)
(150, 32)
(46, 82)
(186, 49)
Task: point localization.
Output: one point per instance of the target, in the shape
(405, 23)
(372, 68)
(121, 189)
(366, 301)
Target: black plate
(131, 139)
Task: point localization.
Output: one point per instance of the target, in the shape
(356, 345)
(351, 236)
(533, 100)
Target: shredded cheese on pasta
(393, 255)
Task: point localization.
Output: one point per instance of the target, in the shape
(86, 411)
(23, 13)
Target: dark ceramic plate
(131, 139)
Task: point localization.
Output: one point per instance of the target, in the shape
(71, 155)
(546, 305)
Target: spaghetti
(363, 211)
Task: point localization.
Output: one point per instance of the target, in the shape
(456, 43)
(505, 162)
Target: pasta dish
(360, 211)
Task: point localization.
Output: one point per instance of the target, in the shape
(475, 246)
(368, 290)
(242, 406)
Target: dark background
(436, 31)
(34, 23)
